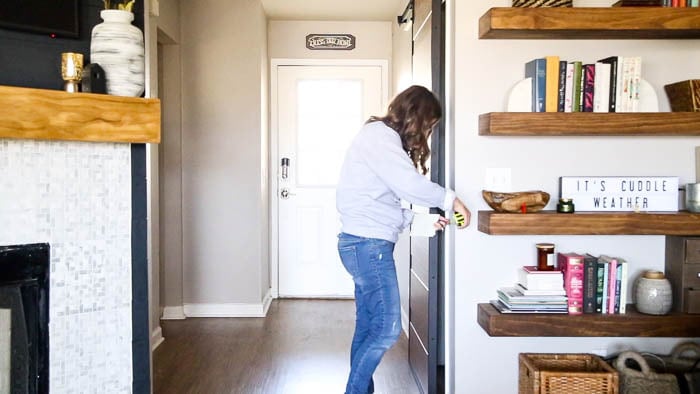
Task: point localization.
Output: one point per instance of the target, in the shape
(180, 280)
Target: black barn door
(425, 287)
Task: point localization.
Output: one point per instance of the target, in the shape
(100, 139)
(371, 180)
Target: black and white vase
(117, 46)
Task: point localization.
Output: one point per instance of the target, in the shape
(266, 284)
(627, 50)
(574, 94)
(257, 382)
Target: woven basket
(544, 373)
(645, 380)
(683, 363)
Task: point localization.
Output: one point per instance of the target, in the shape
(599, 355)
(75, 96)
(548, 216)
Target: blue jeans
(370, 261)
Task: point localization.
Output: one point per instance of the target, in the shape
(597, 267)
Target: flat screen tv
(57, 18)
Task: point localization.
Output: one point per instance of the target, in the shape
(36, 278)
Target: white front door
(319, 111)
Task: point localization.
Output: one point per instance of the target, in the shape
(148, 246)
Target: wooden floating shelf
(630, 324)
(590, 23)
(57, 115)
(590, 223)
(588, 123)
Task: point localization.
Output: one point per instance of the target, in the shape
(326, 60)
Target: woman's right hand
(458, 206)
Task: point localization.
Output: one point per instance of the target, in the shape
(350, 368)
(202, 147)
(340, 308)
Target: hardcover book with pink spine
(571, 265)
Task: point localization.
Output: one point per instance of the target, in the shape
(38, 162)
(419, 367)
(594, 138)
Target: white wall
(225, 258)
(485, 70)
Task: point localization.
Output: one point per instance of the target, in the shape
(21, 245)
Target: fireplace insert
(24, 318)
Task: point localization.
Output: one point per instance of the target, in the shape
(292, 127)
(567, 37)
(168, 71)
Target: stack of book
(594, 284)
(535, 292)
(611, 84)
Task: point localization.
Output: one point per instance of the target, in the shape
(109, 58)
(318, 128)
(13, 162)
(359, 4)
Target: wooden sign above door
(343, 42)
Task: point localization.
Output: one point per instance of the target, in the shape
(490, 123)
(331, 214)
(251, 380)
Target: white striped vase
(117, 46)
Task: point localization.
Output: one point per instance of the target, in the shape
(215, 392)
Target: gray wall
(225, 197)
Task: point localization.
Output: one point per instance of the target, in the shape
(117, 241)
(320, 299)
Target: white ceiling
(333, 10)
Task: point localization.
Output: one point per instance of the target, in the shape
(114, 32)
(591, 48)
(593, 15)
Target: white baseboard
(156, 338)
(230, 309)
(173, 313)
(404, 321)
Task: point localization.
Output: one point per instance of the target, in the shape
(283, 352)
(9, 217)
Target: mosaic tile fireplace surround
(77, 197)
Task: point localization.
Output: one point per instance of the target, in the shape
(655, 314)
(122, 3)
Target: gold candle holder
(71, 71)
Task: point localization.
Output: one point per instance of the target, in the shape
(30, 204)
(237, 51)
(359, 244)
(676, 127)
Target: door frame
(273, 166)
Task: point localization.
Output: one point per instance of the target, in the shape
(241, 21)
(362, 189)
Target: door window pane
(330, 114)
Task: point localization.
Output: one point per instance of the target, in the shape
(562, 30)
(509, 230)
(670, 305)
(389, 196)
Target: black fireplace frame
(15, 269)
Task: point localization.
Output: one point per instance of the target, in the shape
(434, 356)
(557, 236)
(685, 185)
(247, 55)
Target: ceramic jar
(117, 46)
(653, 294)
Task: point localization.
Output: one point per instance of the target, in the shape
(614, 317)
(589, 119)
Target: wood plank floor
(302, 346)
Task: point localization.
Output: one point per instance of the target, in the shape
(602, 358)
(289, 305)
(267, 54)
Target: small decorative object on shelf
(545, 256)
(684, 96)
(93, 79)
(542, 3)
(692, 197)
(653, 295)
(71, 71)
(527, 201)
(118, 47)
(634, 381)
(565, 205)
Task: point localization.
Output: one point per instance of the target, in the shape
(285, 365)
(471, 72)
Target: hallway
(302, 346)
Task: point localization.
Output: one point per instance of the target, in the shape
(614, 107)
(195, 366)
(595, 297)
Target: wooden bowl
(532, 200)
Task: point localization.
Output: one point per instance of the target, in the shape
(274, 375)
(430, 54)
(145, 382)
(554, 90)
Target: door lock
(285, 193)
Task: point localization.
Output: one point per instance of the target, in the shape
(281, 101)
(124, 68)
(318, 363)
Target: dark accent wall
(34, 59)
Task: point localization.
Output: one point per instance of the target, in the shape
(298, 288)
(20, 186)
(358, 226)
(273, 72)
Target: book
(615, 80)
(536, 70)
(501, 307)
(601, 87)
(606, 272)
(587, 87)
(525, 291)
(590, 283)
(576, 90)
(561, 93)
(532, 279)
(514, 296)
(599, 287)
(624, 275)
(572, 267)
(569, 88)
(612, 278)
(551, 95)
(618, 284)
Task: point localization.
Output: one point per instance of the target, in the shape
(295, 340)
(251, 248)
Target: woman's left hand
(441, 223)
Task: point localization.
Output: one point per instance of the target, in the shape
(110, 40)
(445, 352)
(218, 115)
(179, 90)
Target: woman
(381, 168)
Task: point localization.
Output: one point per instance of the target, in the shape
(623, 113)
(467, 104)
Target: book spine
(599, 288)
(606, 273)
(551, 95)
(576, 91)
(612, 275)
(623, 287)
(636, 82)
(601, 88)
(625, 99)
(588, 81)
(561, 94)
(613, 93)
(536, 70)
(590, 284)
(573, 282)
(568, 88)
(618, 287)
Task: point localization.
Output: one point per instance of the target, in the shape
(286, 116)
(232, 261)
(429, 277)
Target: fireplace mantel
(41, 114)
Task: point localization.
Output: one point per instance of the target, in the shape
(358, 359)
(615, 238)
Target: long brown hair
(412, 114)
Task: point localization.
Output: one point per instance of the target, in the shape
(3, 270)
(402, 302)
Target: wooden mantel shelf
(590, 223)
(57, 115)
(590, 23)
(630, 324)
